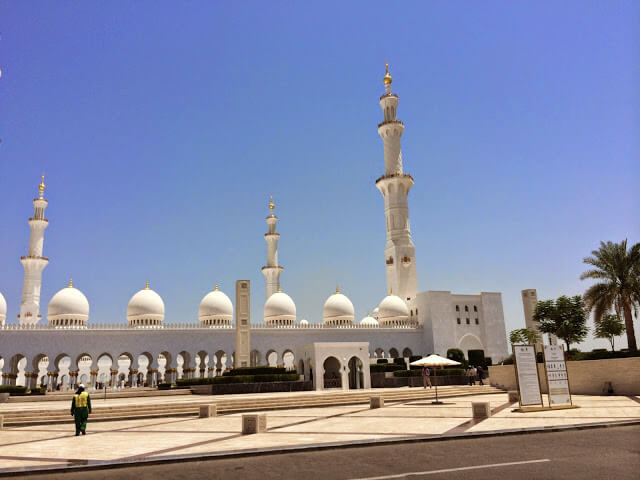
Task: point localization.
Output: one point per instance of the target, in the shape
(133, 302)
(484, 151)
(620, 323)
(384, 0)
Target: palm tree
(619, 272)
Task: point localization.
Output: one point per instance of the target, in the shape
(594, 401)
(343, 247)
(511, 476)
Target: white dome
(215, 309)
(376, 313)
(304, 323)
(279, 309)
(338, 309)
(3, 309)
(393, 309)
(145, 308)
(69, 307)
(369, 321)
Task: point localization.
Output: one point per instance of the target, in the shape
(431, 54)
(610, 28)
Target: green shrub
(378, 368)
(382, 360)
(399, 361)
(258, 371)
(273, 377)
(455, 354)
(442, 372)
(413, 358)
(13, 389)
(38, 391)
(487, 362)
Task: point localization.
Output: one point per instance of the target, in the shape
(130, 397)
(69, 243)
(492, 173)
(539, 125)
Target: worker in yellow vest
(80, 409)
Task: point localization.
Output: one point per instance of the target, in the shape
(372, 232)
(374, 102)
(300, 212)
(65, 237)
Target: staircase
(233, 404)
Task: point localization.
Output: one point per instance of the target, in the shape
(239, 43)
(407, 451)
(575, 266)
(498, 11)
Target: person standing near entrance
(80, 409)
(426, 377)
(471, 375)
(480, 374)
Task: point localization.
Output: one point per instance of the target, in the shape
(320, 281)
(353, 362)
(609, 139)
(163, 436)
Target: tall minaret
(272, 270)
(394, 185)
(34, 262)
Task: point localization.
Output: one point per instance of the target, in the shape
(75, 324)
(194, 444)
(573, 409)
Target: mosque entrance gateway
(356, 377)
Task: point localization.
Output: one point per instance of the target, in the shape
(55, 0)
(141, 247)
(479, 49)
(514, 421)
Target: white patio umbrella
(435, 361)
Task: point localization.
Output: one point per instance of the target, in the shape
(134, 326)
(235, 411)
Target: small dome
(145, 308)
(393, 310)
(368, 321)
(215, 309)
(304, 323)
(279, 309)
(3, 309)
(68, 307)
(338, 310)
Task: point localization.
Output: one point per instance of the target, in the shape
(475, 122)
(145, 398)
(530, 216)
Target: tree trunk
(628, 323)
(613, 348)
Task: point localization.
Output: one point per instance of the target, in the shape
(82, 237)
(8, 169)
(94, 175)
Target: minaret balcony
(384, 95)
(275, 234)
(269, 267)
(404, 176)
(33, 219)
(391, 122)
(34, 257)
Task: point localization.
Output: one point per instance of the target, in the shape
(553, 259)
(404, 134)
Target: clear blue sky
(163, 127)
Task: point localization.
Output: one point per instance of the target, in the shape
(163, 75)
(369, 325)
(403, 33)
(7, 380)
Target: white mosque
(69, 348)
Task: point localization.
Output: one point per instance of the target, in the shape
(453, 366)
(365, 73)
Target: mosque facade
(66, 349)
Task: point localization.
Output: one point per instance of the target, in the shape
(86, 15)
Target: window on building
(458, 321)
(466, 308)
(457, 308)
(477, 322)
(468, 322)
(475, 308)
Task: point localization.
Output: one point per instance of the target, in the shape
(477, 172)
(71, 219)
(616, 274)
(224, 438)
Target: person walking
(80, 409)
(470, 374)
(480, 375)
(426, 377)
(474, 374)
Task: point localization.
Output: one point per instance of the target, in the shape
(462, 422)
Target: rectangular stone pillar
(243, 324)
(207, 411)
(481, 409)
(376, 402)
(254, 423)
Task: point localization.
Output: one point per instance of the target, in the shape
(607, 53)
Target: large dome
(279, 309)
(68, 307)
(3, 309)
(338, 310)
(145, 308)
(393, 311)
(215, 309)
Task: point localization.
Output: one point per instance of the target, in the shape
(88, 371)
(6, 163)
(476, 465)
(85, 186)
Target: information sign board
(557, 378)
(527, 375)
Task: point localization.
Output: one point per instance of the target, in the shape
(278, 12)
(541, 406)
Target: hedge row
(441, 372)
(257, 371)
(18, 390)
(286, 377)
(385, 367)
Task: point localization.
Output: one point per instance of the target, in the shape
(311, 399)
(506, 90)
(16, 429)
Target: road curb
(114, 464)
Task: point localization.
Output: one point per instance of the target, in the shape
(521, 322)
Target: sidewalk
(55, 446)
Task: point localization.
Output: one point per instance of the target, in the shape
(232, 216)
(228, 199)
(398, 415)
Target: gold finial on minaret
(216, 289)
(271, 204)
(70, 283)
(279, 289)
(146, 287)
(390, 290)
(42, 187)
(387, 77)
(337, 289)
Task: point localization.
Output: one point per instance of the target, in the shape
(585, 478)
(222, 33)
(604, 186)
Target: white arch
(468, 342)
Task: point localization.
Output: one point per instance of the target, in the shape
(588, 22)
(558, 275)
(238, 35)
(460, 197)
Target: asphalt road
(602, 453)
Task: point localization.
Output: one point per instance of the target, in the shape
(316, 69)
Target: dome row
(70, 307)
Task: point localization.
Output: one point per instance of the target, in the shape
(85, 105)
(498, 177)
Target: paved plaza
(55, 446)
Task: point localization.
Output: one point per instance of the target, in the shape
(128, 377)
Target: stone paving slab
(51, 446)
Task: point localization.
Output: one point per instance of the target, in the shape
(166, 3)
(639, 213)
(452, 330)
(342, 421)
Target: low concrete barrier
(254, 423)
(481, 409)
(376, 402)
(207, 411)
(586, 377)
